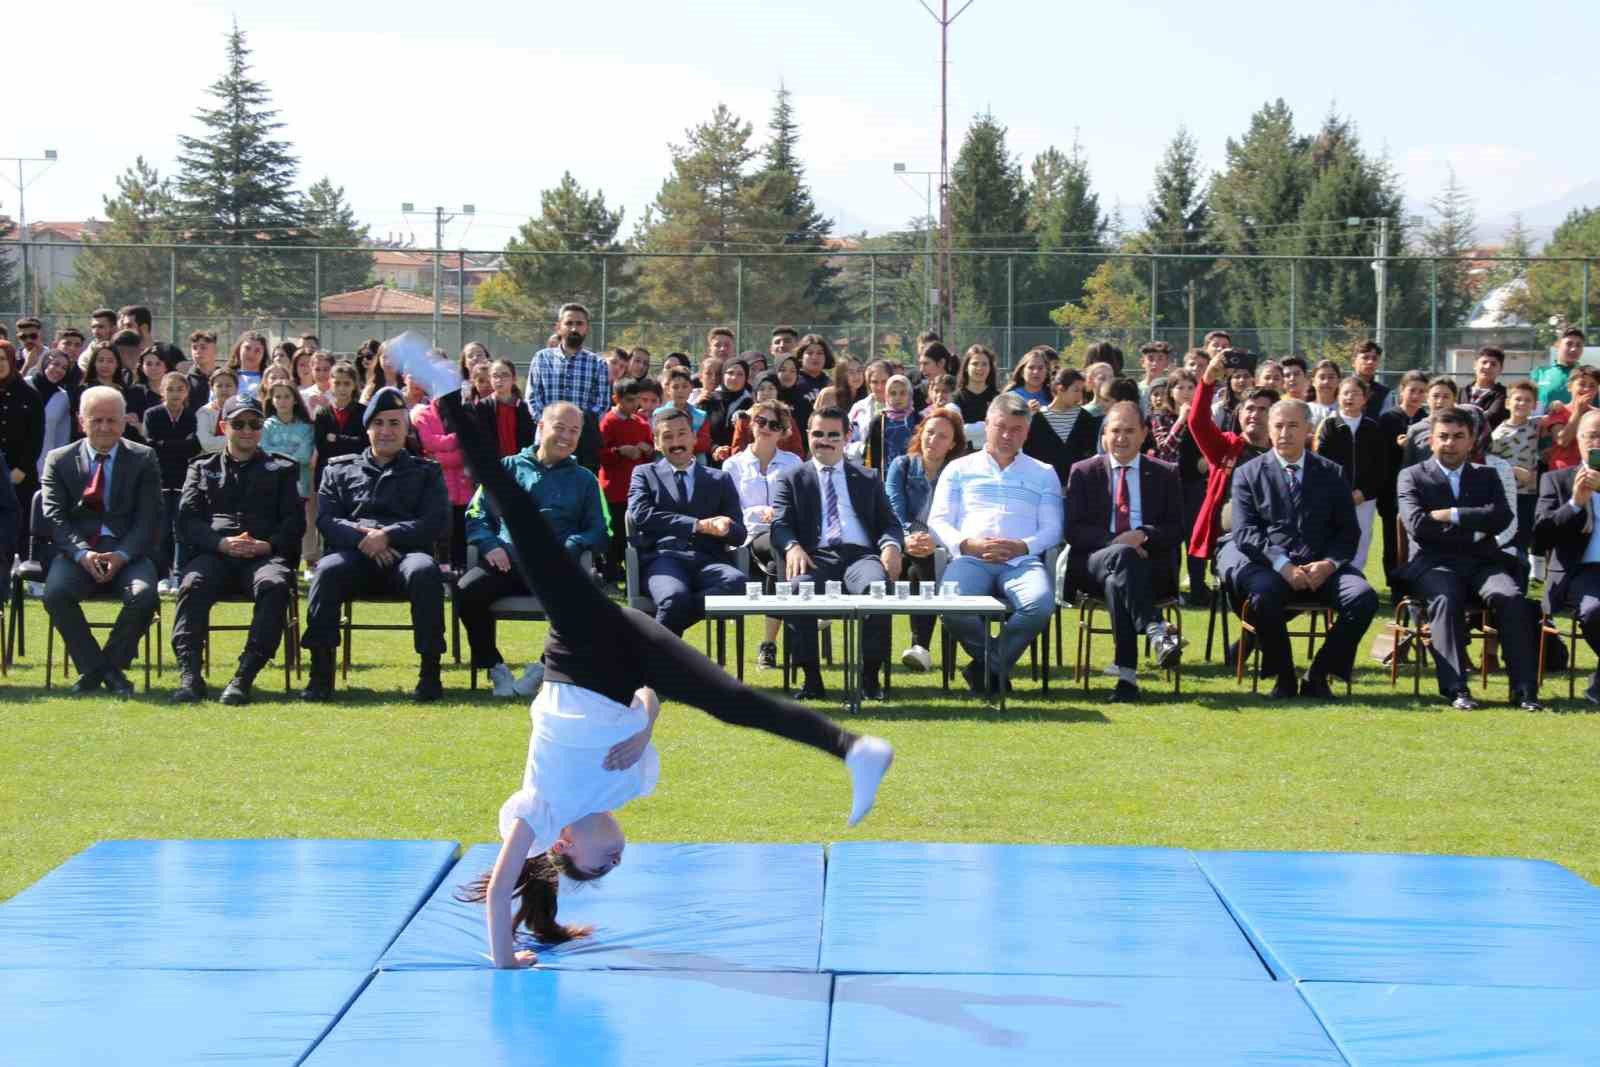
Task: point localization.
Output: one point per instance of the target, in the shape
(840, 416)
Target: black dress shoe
(117, 683)
(189, 691)
(1167, 649)
(872, 690)
(1527, 702)
(1287, 687)
(236, 692)
(1125, 693)
(973, 675)
(1317, 689)
(812, 691)
(1463, 702)
(89, 683)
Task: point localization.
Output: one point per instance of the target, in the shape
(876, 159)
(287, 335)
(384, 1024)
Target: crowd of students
(748, 414)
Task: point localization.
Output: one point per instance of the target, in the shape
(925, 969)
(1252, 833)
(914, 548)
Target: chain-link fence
(866, 303)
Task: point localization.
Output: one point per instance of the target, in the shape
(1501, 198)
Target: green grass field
(1217, 768)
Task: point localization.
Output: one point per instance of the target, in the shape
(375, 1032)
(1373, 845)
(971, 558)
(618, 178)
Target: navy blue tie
(833, 533)
(683, 487)
(1294, 488)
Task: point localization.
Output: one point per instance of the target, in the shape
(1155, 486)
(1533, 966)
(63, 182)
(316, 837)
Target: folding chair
(1088, 605)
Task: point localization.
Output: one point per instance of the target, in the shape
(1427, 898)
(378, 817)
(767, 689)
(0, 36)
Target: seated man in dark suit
(381, 514)
(1564, 526)
(102, 499)
(240, 520)
(1295, 533)
(687, 521)
(1124, 525)
(831, 521)
(1452, 510)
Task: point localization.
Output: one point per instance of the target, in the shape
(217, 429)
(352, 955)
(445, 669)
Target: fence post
(1153, 316)
(1433, 315)
(316, 296)
(1584, 316)
(172, 294)
(605, 295)
(1011, 309)
(872, 296)
(22, 279)
(1294, 293)
(461, 298)
(738, 305)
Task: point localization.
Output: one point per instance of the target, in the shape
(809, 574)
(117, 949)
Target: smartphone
(1594, 459)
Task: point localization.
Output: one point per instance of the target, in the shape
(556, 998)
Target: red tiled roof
(66, 231)
(380, 301)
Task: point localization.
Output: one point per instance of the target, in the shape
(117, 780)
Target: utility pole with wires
(439, 219)
(946, 280)
(21, 186)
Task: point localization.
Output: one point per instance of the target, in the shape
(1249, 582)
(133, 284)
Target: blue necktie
(1294, 488)
(833, 533)
(683, 487)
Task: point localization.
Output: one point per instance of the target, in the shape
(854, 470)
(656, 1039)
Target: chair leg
(1572, 658)
(349, 630)
(49, 648)
(1211, 625)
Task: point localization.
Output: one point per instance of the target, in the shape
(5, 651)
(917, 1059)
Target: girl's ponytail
(536, 892)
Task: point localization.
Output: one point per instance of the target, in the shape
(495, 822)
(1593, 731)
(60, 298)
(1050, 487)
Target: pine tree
(988, 210)
(140, 213)
(236, 186)
(330, 221)
(1063, 215)
(536, 282)
(807, 227)
(1517, 245)
(716, 201)
(1177, 218)
(1452, 236)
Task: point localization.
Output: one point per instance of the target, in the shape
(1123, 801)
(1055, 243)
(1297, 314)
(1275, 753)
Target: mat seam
(1238, 921)
(338, 1016)
(1338, 1046)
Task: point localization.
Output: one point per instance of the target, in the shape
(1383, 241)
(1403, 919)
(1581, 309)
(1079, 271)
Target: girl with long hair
(590, 751)
(248, 360)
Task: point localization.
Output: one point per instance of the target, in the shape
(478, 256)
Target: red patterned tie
(1124, 521)
(94, 493)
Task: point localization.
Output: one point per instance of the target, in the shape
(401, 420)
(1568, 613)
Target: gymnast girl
(606, 669)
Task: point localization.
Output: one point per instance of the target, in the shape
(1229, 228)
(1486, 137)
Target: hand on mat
(524, 957)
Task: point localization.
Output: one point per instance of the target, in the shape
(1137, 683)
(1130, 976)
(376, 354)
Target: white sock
(868, 761)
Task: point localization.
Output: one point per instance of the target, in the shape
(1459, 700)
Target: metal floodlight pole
(1382, 267)
(21, 185)
(1294, 292)
(946, 294)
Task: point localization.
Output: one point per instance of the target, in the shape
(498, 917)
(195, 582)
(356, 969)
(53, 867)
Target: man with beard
(571, 372)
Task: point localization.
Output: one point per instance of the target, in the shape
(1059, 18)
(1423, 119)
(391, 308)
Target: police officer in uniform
(242, 519)
(380, 514)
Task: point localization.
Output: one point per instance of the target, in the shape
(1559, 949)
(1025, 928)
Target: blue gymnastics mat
(1378, 1025)
(897, 908)
(1430, 920)
(222, 905)
(664, 1019)
(931, 1020)
(668, 907)
(168, 1018)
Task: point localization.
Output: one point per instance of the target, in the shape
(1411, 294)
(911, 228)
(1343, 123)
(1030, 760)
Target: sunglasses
(768, 424)
(246, 424)
(826, 435)
(27, 337)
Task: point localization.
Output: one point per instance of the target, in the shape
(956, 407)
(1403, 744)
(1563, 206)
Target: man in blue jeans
(997, 512)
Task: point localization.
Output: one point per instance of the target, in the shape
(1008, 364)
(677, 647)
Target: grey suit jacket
(133, 514)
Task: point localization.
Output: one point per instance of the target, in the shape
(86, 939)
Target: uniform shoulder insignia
(344, 461)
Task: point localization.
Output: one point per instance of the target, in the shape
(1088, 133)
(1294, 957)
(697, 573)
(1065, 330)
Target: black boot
(429, 687)
(191, 681)
(320, 687)
(237, 691)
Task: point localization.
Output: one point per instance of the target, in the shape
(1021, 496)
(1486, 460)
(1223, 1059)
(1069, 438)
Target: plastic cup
(949, 589)
(752, 590)
(929, 590)
(902, 590)
(878, 589)
(835, 590)
(782, 589)
(807, 589)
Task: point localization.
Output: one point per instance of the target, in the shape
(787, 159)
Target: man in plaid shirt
(574, 374)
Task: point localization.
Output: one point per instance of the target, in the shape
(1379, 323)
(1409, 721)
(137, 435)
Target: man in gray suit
(102, 499)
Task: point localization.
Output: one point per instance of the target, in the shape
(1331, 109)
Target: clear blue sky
(487, 103)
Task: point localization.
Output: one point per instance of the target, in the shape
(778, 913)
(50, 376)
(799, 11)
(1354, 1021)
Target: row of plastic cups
(806, 589)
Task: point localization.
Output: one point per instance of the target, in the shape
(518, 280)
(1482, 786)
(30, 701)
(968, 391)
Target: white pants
(1365, 514)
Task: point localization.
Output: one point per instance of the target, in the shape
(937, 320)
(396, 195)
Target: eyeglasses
(769, 424)
(246, 424)
(826, 435)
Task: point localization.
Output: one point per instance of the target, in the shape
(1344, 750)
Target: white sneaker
(504, 685)
(917, 658)
(868, 761)
(532, 678)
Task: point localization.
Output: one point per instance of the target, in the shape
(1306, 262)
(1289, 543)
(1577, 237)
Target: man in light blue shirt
(997, 512)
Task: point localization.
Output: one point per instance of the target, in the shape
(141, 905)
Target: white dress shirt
(976, 497)
(756, 487)
(1135, 499)
(849, 523)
